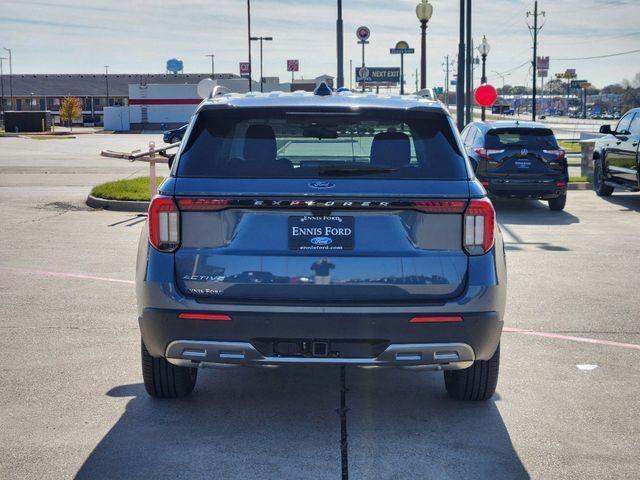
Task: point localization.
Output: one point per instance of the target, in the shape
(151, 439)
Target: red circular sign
(485, 95)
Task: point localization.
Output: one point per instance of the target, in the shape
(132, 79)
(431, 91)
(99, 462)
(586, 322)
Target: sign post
(401, 49)
(363, 34)
(293, 66)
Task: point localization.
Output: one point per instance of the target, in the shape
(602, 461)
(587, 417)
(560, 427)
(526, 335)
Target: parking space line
(571, 338)
(68, 275)
(523, 331)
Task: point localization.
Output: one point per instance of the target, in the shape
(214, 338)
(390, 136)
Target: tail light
(164, 224)
(479, 227)
(440, 206)
(558, 154)
(486, 152)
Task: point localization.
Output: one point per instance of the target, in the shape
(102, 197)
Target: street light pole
(1, 86)
(424, 11)
(502, 77)
(106, 79)
(261, 39)
(484, 49)
(10, 77)
(340, 47)
(461, 66)
(249, 41)
(212, 64)
(469, 65)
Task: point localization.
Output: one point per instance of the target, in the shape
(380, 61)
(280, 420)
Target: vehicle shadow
(282, 423)
(531, 212)
(630, 202)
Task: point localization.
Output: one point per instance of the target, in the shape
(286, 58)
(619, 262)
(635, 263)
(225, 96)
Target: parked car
(321, 229)
(518, 160)
(175, 135)
(616, 158)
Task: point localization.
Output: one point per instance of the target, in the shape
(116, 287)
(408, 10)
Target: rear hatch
(523, 152)
(286, 205)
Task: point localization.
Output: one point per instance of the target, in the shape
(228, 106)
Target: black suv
(615, 157)
(518, 160)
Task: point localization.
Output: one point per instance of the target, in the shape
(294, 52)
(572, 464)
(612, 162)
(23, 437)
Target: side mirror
(605, 129)
(170, 160)
(474, 163)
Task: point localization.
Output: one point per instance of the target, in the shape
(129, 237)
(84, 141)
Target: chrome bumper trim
(437, 356)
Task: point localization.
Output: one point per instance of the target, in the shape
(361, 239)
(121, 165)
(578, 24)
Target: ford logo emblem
(321, 184)
(321, 241)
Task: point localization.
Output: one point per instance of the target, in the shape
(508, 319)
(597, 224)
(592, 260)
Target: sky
(79, 36)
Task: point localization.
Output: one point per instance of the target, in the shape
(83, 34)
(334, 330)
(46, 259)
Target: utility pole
(340, 47)
(212, 65)
(469, 66)
(535, 29)
(460, 79)
(249, 41)
(446, 65)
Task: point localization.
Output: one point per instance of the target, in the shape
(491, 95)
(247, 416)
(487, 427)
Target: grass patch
(50, 137)
(569, 147)
(579, 179)
(129, 189)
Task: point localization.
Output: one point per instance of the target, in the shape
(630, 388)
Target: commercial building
(128, 101)
(46, 91)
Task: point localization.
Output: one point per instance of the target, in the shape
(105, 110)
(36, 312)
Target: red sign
(245, 69)
(485, 95)
(542, 63)
(293, 65)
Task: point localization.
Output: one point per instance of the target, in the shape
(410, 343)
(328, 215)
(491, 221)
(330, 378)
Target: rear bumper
(439, 356)
(542, 188)
(393, 341)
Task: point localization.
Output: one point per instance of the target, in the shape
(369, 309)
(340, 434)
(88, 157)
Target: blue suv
(334, 229)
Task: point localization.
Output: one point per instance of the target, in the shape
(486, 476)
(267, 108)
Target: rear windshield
(294, 143)
(529, 138)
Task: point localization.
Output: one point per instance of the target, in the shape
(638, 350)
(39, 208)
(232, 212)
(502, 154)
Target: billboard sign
(577, 83)
(245, 69)
(293, 65)
(542, 63)
(378, 75)
(543, 73)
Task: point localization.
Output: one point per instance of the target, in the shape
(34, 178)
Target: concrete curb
(117, 205)
(580, 186)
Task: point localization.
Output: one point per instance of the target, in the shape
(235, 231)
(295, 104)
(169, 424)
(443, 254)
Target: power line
(602, 56)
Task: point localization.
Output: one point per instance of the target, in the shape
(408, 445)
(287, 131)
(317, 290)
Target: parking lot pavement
(72, 401)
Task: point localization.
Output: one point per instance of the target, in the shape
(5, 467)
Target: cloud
(138, 36)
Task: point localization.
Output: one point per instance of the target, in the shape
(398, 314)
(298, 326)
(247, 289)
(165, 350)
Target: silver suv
(321, 228)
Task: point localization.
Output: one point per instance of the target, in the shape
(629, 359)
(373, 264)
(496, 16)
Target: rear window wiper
(332, 169)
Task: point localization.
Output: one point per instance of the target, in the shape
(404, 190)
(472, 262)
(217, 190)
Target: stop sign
(485, 95)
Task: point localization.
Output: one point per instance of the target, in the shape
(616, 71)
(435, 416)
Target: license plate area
(322, 233)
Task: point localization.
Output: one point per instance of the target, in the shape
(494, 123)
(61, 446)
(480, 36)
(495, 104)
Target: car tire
(599, 186)
(476, 383)
(558, 203)
(164, 380)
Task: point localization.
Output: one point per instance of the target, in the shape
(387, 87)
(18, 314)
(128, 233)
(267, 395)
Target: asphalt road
(72, 403)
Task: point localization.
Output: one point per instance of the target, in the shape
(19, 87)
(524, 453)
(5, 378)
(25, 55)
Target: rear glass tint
(529, 138)
(295, 143)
